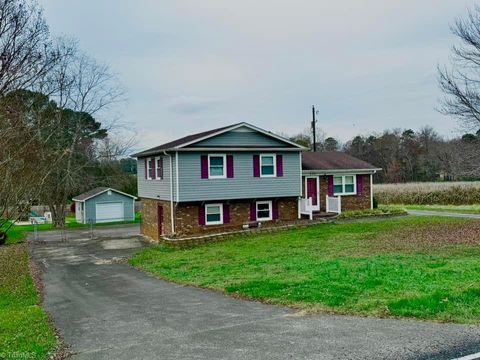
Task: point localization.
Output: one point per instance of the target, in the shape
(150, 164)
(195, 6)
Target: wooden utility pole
(314, 122)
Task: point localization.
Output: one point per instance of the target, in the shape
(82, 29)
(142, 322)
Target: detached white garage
(104, 204)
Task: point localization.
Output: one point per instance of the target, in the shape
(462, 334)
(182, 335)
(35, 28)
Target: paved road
(108, 310)
(443, 213)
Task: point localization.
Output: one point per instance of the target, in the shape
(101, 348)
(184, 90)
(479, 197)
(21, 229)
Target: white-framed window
(217, 166)
(158, 168)
(213, 214)
(268, 165)
(150, 174)
(344, 185)
(264, 210)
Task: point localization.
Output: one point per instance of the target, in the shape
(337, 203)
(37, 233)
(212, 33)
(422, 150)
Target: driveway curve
(106, 309)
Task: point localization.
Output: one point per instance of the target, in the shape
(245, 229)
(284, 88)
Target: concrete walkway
(443, 213)
(106, 309)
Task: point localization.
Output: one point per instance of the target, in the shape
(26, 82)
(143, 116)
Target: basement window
(213, 214)
(264, 210)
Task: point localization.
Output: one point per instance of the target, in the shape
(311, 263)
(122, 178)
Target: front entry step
(323, 215)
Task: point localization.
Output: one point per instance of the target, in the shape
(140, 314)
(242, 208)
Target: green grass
(422, 267)
(24, 326)
(466, 209)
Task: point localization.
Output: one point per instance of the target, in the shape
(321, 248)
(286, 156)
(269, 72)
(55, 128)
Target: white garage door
(112, 211)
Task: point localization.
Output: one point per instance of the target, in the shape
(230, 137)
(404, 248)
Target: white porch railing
(305, 207)
(334, 204)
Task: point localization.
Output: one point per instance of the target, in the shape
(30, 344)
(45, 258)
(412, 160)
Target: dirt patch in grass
(430, 236)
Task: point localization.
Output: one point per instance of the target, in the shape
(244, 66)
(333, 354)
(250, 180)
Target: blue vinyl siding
(241, 138)
(128, 203)
(155, 189)
(243, 185)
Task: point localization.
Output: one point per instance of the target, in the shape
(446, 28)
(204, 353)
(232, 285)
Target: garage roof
(97, 191)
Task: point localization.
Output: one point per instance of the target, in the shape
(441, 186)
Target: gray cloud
(190, 65)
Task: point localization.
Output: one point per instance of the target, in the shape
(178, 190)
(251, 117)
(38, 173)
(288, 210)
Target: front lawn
(25, 331)
(423, 267)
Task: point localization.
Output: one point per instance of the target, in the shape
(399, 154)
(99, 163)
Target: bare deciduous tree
(26, 51)
(461, 83)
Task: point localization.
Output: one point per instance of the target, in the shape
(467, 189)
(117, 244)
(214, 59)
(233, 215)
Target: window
(264, 210)
(150, 171)
(216, 167)
(267, 166)
(213, 214)
(159, 168)
(344, 185)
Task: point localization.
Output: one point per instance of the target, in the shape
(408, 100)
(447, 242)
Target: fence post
(90, 221)
(64, 234)
(35, 231)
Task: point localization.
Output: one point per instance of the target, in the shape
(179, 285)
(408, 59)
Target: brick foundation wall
(187, 217)
(149, 225)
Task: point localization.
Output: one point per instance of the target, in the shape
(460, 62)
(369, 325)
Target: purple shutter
(204, 166)
(359, 185)
(146, 168)
(154, 168)
(229, 166)
(275, 210)
(330, 185)
(253, 211)
(256, 165)
(226, 213)
(201, 215)
(279, 165)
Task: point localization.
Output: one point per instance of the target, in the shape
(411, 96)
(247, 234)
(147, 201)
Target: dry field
(429, 193)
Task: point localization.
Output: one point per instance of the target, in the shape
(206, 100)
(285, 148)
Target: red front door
(160, 220)
(312, 190)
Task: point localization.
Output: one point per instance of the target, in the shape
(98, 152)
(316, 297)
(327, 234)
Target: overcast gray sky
(191, 65)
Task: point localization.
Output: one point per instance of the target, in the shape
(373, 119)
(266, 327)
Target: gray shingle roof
(90, 193)
(183, 140)
(98, 190)
(333, 160)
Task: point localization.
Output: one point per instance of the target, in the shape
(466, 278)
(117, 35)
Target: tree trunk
(58, 215)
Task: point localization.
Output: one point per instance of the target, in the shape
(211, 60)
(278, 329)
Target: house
(241, 176)
(104, 204)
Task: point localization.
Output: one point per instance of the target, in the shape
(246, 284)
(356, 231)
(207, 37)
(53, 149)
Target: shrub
(371, 212)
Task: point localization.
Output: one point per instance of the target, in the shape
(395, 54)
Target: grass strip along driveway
(421, 267)
(25, 331)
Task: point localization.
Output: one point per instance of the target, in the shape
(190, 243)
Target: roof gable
(242, 136)
(97, 191)
(206, 139)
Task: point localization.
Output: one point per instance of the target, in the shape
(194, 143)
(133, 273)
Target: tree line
(407, 155)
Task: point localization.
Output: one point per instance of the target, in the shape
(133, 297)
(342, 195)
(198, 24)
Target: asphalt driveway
(105, 309)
